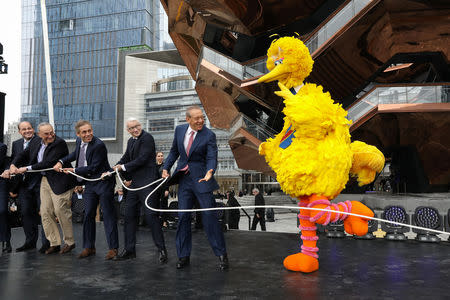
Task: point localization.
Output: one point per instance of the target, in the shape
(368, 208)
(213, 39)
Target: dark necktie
(82, 155)
(82, 158)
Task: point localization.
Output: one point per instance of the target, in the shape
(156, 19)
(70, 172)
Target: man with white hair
(139, 162)
(259, 211)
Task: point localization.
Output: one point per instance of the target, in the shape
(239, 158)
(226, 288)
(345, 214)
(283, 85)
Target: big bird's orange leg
(307, 260)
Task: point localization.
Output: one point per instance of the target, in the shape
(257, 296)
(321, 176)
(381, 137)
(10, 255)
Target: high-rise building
(85, 38)
(11, 135)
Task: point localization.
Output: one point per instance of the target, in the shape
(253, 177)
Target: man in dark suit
(119, 202)
(139, 162)
(55, 188)
(91, 159)
(259, 212)
(195, 146)
(28, 189)
(5, 229)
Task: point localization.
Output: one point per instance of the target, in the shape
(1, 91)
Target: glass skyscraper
(85, 38)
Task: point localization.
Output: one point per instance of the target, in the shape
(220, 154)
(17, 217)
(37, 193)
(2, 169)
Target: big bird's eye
(278, 61)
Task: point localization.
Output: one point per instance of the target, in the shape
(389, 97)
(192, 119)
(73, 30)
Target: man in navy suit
(140, 164)
(28, 189)
(55, 189)
(195, 146)
(91, 159)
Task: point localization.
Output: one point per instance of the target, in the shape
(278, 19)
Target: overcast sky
(10, 33)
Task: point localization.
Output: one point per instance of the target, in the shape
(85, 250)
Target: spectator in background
(163, 192)
(77, 204)
(119, 202)
(259, 212)
(233, 215)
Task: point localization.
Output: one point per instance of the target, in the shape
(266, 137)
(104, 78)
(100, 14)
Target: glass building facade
(84, 39)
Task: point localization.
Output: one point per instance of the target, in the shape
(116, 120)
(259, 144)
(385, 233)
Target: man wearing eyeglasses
(139, 162)
(55, 188)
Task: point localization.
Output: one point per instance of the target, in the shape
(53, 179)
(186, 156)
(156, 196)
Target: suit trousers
(5, 230)
(186, 195)
(56, 205)
(30, 203)
(132, 207)
(261, 221)
(102, 192)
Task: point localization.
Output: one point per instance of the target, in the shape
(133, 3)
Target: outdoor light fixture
(373, 226)
(428, 217)
(335, 229)
(396, 214)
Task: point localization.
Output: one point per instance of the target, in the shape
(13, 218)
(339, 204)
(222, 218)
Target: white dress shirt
(187, 136)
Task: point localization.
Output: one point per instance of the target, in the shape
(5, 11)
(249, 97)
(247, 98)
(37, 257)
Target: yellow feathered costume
(313, 156)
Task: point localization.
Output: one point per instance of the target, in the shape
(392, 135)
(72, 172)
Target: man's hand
(21, 170)
(117, 168)
(127, 183)
(13, 169)
(165, 174)
(257, 215)
(105, 174)
(6, 174)
(207, 176)
(67, 170)
(166, 193)
(58, 167)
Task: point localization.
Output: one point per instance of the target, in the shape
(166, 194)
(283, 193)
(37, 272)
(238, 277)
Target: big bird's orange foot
(301, 263)
(358, 225)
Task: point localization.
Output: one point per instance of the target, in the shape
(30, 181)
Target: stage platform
(349, 269)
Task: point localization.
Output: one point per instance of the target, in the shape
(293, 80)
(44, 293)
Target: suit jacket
(58, 182)
(3, 158)
(202, 157)
(259, 200)
(96, 158)
(140, 160)
(17, 147)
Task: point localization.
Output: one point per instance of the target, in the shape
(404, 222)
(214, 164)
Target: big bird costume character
(313, 156)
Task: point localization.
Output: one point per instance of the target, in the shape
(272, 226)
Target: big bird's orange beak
(279, 73)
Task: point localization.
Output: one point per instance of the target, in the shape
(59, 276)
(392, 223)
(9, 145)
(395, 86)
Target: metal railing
(322, 35)
(406, 94)
(231, 66)
(249, 219)
(259, 130)
(258, 67)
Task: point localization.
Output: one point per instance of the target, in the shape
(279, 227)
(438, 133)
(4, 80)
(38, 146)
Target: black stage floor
(350, 269)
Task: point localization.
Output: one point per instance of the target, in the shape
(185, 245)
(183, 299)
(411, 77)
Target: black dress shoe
(183, 262)
(6, 247)
(125, 255)
(163, 256)
(223, 262)
(44, 248)
(25, 247)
